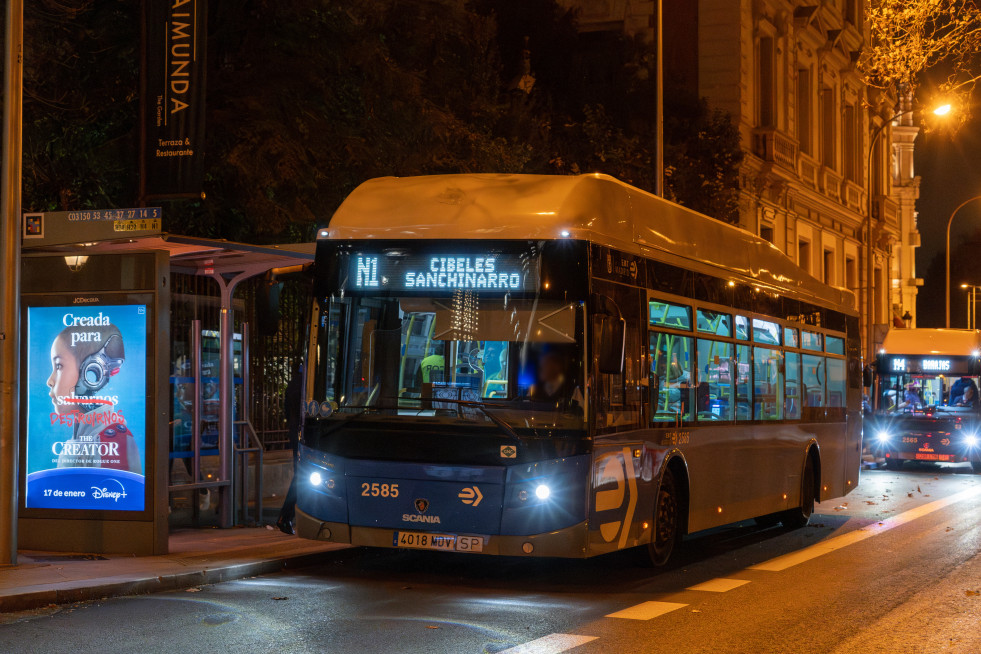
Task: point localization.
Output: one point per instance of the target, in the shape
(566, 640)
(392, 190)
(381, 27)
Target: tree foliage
(308, 98)
(909, 38)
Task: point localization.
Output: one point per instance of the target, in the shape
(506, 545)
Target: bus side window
(671, 378)
(768, 389)
(836, 382)
(792, 396)
(744, 383)
(713, 392)
(813, 378)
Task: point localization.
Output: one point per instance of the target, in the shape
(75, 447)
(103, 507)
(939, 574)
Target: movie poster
(86, 407)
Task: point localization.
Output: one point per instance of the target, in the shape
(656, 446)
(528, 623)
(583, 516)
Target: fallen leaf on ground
(918, 490)
(280, 598)
(909, 494)
(696, 611)
(431, 626)
(870, 502)
(969, 593)
(950, 529)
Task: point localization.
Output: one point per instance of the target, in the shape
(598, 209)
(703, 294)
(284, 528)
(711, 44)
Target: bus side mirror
(610, 339)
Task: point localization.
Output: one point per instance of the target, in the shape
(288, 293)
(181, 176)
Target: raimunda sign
(180, 54)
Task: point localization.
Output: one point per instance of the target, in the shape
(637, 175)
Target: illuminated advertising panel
(86, 394)
(444, 271)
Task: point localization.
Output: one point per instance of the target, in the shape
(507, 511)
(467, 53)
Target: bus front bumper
(569, 542)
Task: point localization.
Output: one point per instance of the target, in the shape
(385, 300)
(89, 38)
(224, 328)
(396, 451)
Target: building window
(766, 232)
(767, 95)
(804, 255)
(848, 141)
(804, 110)
(878, 187)
(879, 296)
(829, 267)
(828, 128)
(851, 273)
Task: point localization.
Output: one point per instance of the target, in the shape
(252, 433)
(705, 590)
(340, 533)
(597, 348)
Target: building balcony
(886, 210)
(853, 196)
(807, 170)
(770, 144)
(829, 182)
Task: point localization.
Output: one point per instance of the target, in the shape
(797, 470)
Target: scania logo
(422, 505)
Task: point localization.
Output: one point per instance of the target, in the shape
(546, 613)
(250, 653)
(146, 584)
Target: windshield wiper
(500, 422)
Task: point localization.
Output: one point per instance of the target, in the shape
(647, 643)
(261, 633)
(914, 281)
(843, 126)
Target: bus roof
(594, 207)
(942, 342)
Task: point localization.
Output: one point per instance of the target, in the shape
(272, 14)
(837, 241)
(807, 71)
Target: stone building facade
(785, 70)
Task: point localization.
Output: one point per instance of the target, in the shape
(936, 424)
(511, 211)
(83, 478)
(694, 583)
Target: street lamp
(949, 221)
(972, 303)
(941, 110)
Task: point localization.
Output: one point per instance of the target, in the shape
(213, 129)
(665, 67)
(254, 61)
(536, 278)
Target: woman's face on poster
(64, 375)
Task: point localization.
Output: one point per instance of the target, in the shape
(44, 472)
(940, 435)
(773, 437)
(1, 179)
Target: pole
(869, 269)
(659, 101)
(949, 222)
(10, 199)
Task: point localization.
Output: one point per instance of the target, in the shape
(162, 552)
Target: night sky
(950, 167)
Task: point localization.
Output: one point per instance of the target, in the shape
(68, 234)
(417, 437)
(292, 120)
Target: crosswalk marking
(550, 644)
(647, 610)
(720, 585)
(819, 549)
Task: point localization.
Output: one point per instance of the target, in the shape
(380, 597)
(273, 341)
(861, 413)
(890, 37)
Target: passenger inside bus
(969, 398)
(958, 388)
(912, 399)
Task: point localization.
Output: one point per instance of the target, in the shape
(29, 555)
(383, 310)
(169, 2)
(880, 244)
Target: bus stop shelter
(227, 263)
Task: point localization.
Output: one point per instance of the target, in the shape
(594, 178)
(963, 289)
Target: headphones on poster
(96, 369)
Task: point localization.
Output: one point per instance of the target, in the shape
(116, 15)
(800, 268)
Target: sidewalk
(197, 556)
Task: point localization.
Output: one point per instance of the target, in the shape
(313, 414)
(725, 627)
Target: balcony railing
(769, 144)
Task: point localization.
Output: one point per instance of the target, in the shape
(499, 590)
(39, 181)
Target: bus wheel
(797, 518)
(977, 467)
(666, 518)
(894, 464)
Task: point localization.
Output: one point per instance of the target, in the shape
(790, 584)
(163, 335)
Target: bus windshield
(915, 393)
(472, 358)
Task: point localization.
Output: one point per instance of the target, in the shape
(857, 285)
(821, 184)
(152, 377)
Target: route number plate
(443, 542)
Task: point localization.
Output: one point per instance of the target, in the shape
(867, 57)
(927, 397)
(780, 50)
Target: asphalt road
(894, 567)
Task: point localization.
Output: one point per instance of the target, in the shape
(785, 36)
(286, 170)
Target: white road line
(720, 585)
(647, 610)
(836, 543)
(550, 644)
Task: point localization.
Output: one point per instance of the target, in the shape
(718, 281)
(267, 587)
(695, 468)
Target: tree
(308, 98)
(909, 38)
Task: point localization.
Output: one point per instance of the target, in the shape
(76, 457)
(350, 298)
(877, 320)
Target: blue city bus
(926, 405)
(564, 366)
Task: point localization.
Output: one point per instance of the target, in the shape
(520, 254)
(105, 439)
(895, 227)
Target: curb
(96, 591)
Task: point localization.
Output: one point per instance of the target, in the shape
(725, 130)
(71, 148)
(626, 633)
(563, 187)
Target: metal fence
(274, 353)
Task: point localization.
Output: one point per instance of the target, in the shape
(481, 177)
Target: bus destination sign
(397, 271)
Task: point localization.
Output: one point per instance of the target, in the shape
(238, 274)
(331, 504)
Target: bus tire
(894, 464)
(977, 467)
(797, 518)
(667, 519)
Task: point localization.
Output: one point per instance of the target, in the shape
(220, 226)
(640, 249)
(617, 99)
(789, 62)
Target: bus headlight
(316, 479)
(883, 436)
(542, 492)
(971, 440)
